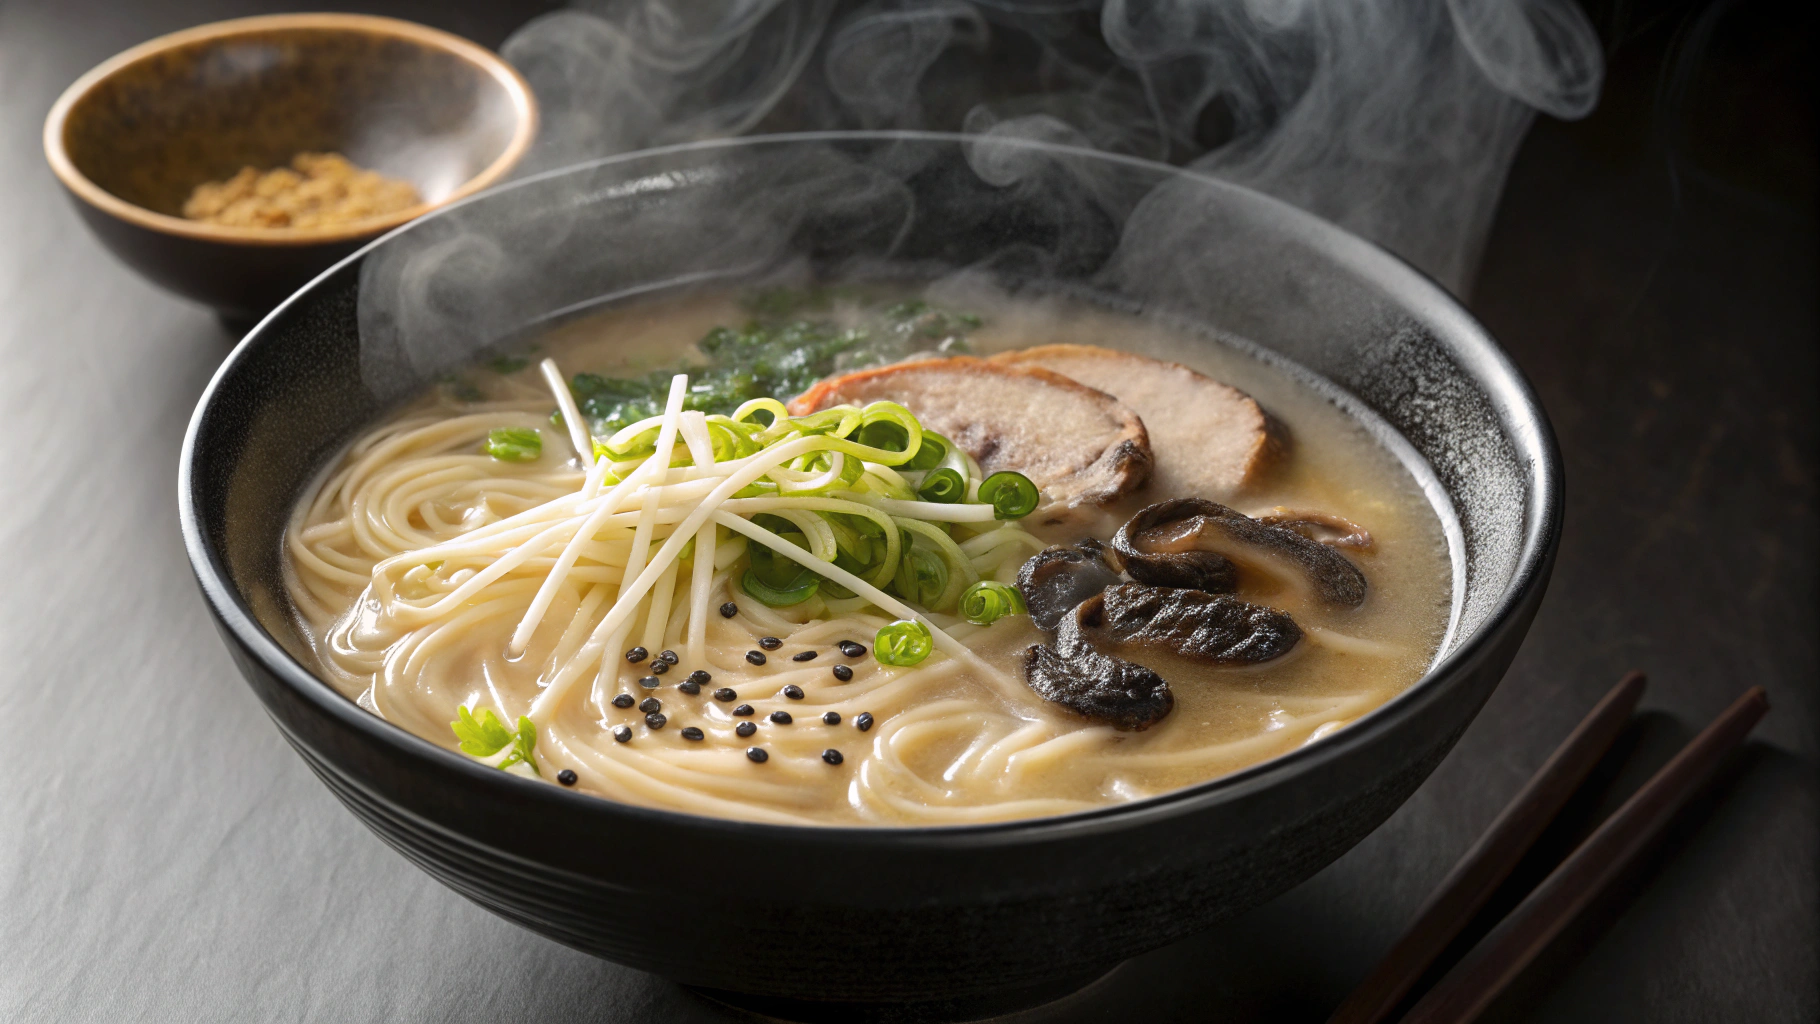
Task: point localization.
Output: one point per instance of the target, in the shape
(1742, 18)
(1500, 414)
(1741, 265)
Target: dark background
(163, 855)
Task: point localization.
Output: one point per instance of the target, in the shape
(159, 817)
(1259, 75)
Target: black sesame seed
(691, 733)
(729, 610)
(781, 717)
(757, 754)
(832, 718)
(658, 668)
(745, 728)
(832, 756)
(864, 721)
(637, 654)
(852, 650)
(650, 704)
(624, 700)
(566, 777)
(669, 656)
(725, 693)
(743, 710)
(770, 643)
(655, 720)
(843, 673)
(804, 656)
(648, 682)
(700, 678)
(689, 686)
(622, 733)
(793, 691)
(755, 657)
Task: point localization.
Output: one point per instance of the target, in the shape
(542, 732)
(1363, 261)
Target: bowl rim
(1518, 409)
(517, 90)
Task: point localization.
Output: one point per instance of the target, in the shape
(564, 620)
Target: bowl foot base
(1029, 1004)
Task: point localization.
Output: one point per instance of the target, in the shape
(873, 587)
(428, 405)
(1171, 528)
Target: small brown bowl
(132, 138)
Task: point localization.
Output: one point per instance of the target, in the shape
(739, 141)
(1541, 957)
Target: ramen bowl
(132, 138)
(838, 922)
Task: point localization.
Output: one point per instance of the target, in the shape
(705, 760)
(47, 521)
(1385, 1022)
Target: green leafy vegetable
(1011, 495)
(484, 736)
(507, 364)
(514, 444)
(903, 643)
(988, 601)
(793, 340)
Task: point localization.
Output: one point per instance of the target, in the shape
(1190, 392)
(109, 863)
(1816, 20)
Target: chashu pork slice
(1080, 447)
(1209, 438)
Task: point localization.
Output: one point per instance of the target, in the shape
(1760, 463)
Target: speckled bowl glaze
(132, 138)
(887, 923)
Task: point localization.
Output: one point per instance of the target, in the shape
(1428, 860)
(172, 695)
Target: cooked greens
(794, 338)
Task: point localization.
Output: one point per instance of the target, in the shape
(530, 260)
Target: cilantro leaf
(484, 736)
(481, 736)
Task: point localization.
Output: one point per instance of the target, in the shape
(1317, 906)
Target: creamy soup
(850, 634)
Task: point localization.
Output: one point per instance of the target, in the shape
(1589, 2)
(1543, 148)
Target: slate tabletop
(165, 856)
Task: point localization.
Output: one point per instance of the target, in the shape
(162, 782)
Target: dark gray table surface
(164, 856)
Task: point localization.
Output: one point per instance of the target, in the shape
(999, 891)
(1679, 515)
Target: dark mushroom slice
(1061, 576)
(1153, 543)
(1323, 527)
(1214, 628)
(1071, 672)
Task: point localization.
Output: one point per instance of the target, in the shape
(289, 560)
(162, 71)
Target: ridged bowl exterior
(869, 915)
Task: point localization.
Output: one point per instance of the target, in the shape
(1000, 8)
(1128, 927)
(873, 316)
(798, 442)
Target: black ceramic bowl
(954, 920)
(132, 138)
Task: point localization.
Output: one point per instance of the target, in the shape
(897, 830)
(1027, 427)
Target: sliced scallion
(1011, 494)
(903, 643)
(988, 601)
(945, 486)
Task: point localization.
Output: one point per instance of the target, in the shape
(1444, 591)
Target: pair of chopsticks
(1464, 992)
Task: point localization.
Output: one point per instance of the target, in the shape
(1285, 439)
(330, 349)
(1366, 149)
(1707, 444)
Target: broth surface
(945, 745)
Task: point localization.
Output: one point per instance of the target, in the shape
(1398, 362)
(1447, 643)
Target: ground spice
(317, 190)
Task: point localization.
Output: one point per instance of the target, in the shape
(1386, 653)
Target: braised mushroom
(1218, 629)
(1072, 672)
(1059, 577)
(1325, 527)
(1166, 544)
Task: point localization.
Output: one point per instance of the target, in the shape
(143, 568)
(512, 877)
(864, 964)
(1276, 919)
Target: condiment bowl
(132, 138)
(850, 923)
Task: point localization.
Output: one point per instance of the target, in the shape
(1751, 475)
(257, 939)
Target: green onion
(888, 435)
(934, 449)
(922, 577)
(944, 485)
(514, 444)
(904, 642)
(988, 601)
(1011, 495)
(774, 580)
(802, 590)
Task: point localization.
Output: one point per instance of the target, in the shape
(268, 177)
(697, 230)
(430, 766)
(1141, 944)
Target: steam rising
(1396, 119)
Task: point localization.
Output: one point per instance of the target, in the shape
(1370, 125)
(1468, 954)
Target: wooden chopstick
(1490, 860)
(1467, 989)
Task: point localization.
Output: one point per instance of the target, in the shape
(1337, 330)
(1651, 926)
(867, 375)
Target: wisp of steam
(1396, 119)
